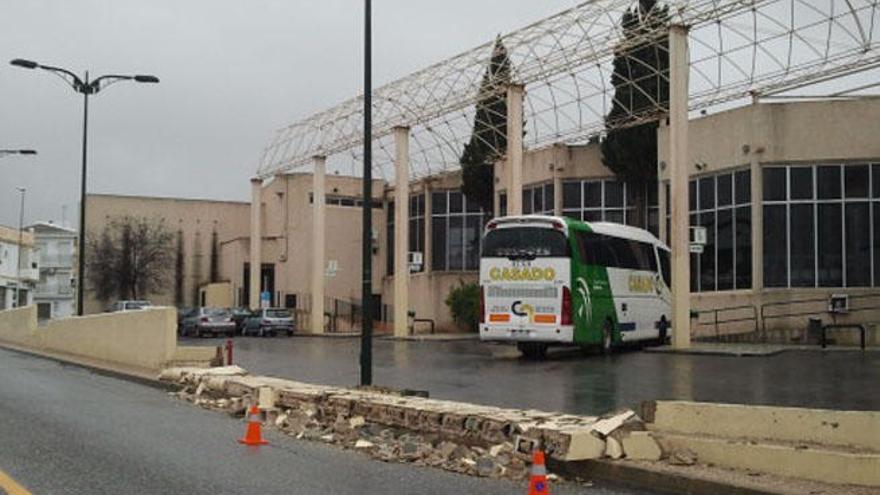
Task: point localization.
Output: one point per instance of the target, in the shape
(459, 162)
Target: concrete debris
(465, 438)
(682, 457)
(605, 426)
(613, 448)
(641, 446)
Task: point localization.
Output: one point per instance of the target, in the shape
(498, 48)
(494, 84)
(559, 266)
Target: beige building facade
(789, 194)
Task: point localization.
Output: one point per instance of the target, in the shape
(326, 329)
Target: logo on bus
(522, 274)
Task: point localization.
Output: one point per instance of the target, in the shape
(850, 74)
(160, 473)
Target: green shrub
(464, 304)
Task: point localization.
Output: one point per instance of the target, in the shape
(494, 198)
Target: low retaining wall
(144, 340)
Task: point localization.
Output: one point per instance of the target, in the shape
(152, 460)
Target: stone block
(641, 446)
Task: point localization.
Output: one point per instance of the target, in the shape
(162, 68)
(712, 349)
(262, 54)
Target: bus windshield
(525, 243)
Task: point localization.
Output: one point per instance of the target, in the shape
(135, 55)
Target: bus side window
(664, 265)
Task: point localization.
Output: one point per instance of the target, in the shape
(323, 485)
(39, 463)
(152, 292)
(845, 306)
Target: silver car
(269, 322)
(208, 321)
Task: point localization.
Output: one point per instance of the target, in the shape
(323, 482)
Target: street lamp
(17, 152)
(17, 301)
(86, 88)
(366, 360)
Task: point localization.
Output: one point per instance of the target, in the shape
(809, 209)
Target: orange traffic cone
(253, 435)
(538, 480)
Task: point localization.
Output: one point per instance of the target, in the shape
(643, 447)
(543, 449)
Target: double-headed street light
(17, 152)
(86, 88)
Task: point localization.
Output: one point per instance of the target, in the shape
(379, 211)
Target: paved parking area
(568, 381)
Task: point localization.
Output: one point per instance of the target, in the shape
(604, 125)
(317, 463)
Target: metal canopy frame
(738, 49)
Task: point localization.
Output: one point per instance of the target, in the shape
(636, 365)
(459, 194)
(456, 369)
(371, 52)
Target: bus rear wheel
(532, 350)
(607, 338)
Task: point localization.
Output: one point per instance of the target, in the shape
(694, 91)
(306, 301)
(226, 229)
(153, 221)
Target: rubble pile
(465, 438)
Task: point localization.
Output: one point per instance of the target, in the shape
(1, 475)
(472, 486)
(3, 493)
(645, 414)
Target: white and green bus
(557, 281)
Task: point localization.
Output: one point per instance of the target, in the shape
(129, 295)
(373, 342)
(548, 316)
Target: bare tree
(131, 258)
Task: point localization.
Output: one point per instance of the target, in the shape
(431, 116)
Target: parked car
(128, 306)
(269, 322)
(239, 315)
(208, 321)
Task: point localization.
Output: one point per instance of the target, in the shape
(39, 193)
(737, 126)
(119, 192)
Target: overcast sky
(231, 72)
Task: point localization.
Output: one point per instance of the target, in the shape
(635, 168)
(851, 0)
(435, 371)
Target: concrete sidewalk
(750, 350)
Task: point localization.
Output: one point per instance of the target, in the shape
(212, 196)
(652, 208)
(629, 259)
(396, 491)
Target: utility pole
(17, 301)
(367, 254)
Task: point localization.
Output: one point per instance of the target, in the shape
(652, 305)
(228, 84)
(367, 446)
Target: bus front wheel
(607, 338)
(532, 351)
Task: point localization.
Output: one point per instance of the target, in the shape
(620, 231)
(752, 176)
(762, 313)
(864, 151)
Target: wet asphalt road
(65, 430)
(494, 374)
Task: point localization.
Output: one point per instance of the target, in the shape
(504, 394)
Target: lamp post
(367, 254)
(17, 301)
(85, 87)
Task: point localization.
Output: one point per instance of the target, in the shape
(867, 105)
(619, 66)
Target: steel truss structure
(738, 49)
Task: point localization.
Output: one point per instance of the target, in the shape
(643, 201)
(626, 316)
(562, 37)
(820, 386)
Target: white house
(15, 291)
(55, 291)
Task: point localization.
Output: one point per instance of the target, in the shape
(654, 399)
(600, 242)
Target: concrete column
(515, 96)
(661, 207)
(678, 175)
(757, 189)
(256, 242)
(401, 231)
(319, 205)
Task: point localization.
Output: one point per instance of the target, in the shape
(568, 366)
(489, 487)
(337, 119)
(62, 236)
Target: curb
(111, 373)
(619, 473)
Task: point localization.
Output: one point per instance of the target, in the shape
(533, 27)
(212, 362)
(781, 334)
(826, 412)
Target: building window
(389, 239)
(502, 204)
(416, 230)
(347, 201)
(821, 225)
(538, 200)
(417, 226)
(456, 232)
(722, 204)
(608, 201)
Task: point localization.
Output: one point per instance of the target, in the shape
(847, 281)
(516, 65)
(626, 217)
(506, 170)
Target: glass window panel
(615, 216)
(527, 202)
(593, 194)
(456, 243)
(828, 182)
(743, 186)
(389, 241)
(575, 214)
(801, 182)
(632, 218)
(707, 259)
(803, 260)
(571, 195)
(774, 184)
(707, 193)
(549, 198)
(438, 243)
(471, 206)
(856, 181)
(502, 204)
(592, 215)
(653, 196)
(456, 200)
(725, 190)
(630, 194)
(438, 202)
(613, 194)
(413, 235)
(876, 244)
(875, 184)
(744, 247)
(858, 244)
(695, 259)
(775, 245)
(830, 253)
(668, 199)
(654, 221)
(692, 195)
(725, 248)
(472, 232)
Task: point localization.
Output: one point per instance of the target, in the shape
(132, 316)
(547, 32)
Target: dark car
(270, 322)
(239, 315)
(208, 321)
